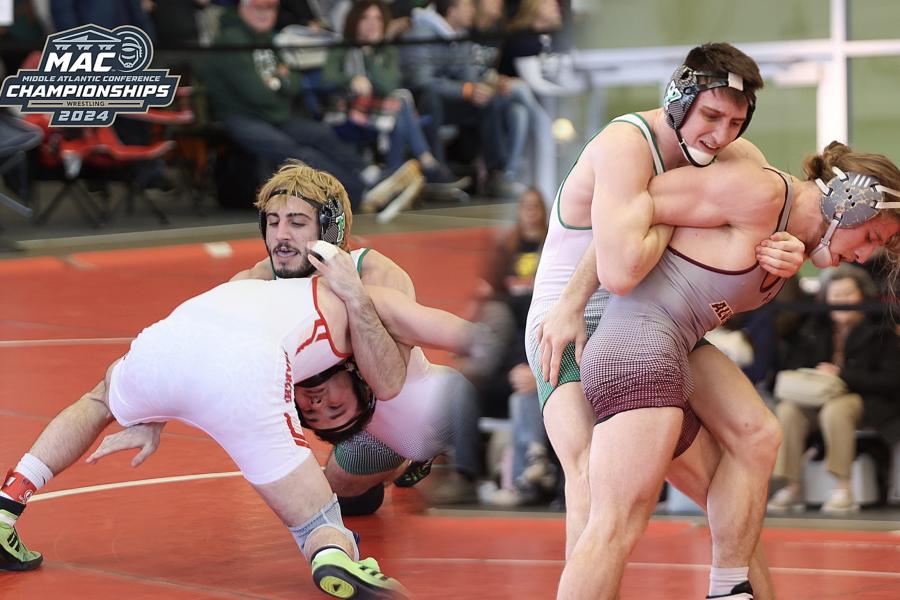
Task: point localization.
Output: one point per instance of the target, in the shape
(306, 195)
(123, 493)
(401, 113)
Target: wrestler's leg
(629, 455)
(60, 444)
(748, 434)
(568, 419)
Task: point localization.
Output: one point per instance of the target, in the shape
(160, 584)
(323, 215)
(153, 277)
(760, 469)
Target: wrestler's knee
(761, 438)
(97, 401)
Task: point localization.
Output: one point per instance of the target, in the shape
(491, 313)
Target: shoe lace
(13, 541)
(372, 571)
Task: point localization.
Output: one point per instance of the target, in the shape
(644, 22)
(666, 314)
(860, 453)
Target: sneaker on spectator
(841, 502)
(391, 186)
(501, 186)
(539, 470)
(403, 200)
(439, 174)
(787, 499)
(448, 488)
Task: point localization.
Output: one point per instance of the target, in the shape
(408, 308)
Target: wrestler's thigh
(723, 398)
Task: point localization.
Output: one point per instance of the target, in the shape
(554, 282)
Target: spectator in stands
(452, 87)
(105, 13)
(507, 289)
(28, 28)
(253, 93)
(862, 349)
(366, 78)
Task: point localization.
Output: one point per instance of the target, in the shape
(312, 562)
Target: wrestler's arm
(378, 269)
(781, 254)
(261, 270)
(737, 193)
(564, 322)
(627, 245)
(381, 363)
(416, 325)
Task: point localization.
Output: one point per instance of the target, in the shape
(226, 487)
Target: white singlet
(226, 361)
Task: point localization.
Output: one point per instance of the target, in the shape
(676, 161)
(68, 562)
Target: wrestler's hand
(339, 271)
(781, 254)
(144, 436)
(561, 326)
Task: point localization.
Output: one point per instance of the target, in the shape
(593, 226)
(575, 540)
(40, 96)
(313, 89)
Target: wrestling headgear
(848, 200)
(364, 396)
(680, 95)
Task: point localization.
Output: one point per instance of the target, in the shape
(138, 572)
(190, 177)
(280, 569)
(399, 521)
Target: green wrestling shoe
(414, 473)
(339, 576)
(14, 556)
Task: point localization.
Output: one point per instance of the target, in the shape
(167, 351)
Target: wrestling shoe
(337, 575)
(414, 473)
(741, 591)
(14, 556)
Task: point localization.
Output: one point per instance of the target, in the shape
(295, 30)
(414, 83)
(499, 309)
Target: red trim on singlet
(748, 269)
(298, 436)
(709, 268)
(316, 335)
(315, 290)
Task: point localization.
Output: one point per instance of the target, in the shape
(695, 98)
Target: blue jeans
(407, 133)
(456, 111)
(522, 114)
(463, 412)
(527, 427)
(310, 141)
(407, 136)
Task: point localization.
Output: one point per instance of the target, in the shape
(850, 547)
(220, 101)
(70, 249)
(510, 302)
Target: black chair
(16, 138)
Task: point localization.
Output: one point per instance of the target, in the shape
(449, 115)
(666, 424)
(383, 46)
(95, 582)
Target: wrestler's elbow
(617, 279)
(390, 388)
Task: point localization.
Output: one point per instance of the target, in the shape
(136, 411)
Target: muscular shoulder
(378, 269)
(261, 270)
(742, 149)
(759, 192)
(620, 145)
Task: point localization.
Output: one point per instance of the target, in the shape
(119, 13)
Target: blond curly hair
(296, 178)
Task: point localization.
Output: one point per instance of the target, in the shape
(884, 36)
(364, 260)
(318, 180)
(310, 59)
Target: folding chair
(16, 138)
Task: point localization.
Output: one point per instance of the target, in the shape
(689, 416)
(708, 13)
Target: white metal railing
(821, 63)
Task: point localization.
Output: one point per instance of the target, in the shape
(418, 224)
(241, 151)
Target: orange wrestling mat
(185, 525)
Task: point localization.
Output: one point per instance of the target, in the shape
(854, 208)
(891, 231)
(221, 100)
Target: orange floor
(64, 320)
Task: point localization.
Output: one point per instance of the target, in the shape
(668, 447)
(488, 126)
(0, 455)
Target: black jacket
(871, 361)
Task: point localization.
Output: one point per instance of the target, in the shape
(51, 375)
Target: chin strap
(689, 153)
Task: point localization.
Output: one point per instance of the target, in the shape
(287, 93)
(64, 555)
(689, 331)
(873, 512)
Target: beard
(304, 270)
(301, 270)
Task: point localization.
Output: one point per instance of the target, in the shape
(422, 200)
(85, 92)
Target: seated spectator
(371, 101)
(526, 60)
(253, 93)
(862, 350)
(105, 13)
(452, 87)
(28, 30)
(511, 285)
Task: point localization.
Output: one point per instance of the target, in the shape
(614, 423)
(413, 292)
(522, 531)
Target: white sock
(34, 470)
(722, 580)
